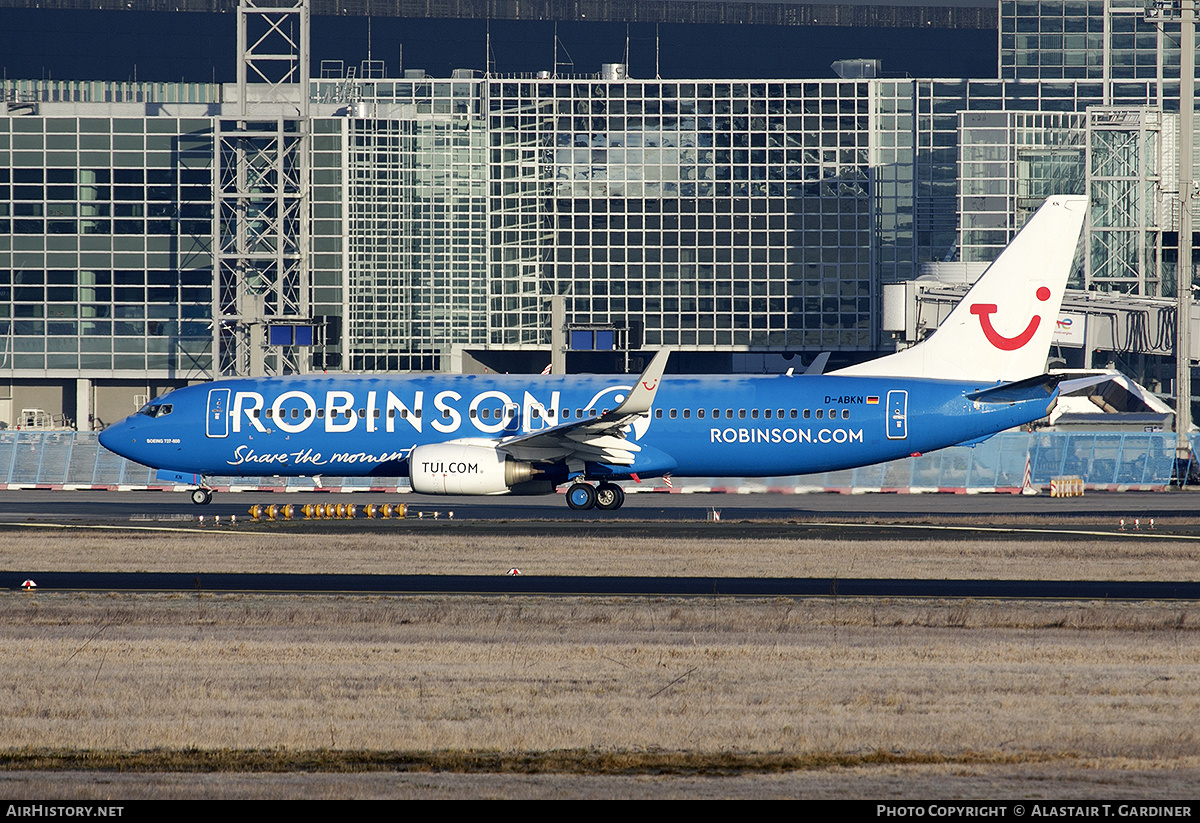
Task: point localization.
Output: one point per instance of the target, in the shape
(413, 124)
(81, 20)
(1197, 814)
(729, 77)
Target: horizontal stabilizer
(1070, 386)
(1042, 387)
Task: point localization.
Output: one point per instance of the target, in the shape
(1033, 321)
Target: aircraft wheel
(609, 496)
(201, 497)
(581, 496)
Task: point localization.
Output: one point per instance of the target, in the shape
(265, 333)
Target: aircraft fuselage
(699, 426)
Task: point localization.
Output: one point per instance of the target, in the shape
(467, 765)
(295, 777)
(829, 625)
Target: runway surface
(603, 586)
(825, 516)
(1103, 509)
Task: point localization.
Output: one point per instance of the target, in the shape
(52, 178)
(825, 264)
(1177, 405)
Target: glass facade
(448, 215)
(399, 263)
(1055, 39)
(105, 245)
(1106, 40)
(416, 242)
(1009, 163)
(694, 214)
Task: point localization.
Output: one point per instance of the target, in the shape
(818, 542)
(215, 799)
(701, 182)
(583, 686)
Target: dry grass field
(1029, 556)
(813, 697)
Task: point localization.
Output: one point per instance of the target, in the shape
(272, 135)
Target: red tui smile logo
(985, 312)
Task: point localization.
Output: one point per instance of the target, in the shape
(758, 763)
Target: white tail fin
(1001, 330)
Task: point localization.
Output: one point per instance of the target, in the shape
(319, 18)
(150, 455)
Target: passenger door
(217, 424)
(897, 415)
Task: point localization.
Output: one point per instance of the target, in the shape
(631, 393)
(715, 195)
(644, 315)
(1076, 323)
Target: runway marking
(1010, 530)
(219, 529)
(230, 530)
(492, 585)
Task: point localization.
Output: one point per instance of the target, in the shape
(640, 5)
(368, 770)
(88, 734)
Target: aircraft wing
(602, 438)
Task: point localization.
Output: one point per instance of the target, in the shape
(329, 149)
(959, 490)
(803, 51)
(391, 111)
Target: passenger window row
(755, 414)
(362, 413)
(510, 412)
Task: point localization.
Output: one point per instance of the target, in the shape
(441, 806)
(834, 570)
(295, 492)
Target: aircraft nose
(116, 438)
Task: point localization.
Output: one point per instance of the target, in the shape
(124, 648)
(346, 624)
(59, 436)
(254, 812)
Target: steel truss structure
(1124, 174)
(261, 204)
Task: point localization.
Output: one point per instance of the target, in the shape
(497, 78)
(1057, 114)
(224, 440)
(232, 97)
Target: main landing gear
(202, 496)
(606, 496)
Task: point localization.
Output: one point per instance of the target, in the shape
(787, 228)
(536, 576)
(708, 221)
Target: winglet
(817, 366)
(641, 399)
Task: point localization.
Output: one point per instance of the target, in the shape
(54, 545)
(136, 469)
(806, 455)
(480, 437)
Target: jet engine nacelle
(465, 468)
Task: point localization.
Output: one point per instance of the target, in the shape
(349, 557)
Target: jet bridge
(1096, 326)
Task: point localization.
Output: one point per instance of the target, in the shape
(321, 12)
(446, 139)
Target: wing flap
(602, 438)
(602, 441)
(622, 458)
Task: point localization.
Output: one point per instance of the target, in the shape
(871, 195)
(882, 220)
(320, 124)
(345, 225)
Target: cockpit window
(156, 409)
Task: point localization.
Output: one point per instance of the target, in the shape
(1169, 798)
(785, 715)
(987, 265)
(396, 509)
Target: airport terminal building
(155, 234)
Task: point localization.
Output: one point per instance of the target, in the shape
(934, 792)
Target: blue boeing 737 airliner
(979, 374)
